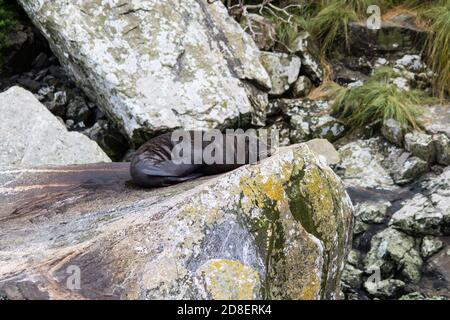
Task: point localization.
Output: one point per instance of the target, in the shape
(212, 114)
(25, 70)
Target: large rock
(325, 150)
(307, 49)
(427, 213)
(301, 88)
(372, 212)
(393, 252)
(389, 288)
(156, 65)
(32, 136)
(436, 119)
(402, 165)
(442, 143)
(308, 119)
(279, 229)
(398, 36)
(439, 266)
(421, 145)
(393, 131)
(362, 165)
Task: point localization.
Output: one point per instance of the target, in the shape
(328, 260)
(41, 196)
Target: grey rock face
(436, 119)
(352, 276)
(429, 213)
(153, 65)
(439, 264)
(430, 245)
(308, 119)
(283, 70)
(442, 144)
(314, 117)
(306, 48)
(418, 216)
(420, 296)
(384, 289)
(372, 212)
(32, 136)
(393, 132)
(421, 145)
(392, 251)
(302, 87)
(362, 165)
(323, 148)
(407, 168)
(261, 231)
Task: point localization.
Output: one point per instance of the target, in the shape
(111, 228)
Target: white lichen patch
(154, 65)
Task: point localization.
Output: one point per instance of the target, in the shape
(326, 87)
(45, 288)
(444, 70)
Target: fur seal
(152, 166)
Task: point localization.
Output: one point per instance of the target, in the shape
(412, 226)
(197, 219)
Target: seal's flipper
(169, 169)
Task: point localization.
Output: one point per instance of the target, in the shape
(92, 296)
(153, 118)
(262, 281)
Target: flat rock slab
(157, 65)
(278, 229)
(436, 119)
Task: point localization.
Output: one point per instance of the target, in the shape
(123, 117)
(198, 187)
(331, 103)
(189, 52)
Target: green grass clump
(376, 101)
(290, 22)
(7, 21)
(439, 46)
(358, 6)
(331, 21)
(384, 74)
(327, 21)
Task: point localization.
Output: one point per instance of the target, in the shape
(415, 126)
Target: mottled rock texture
(279, 229)
(157, 65)
(32, 136)
(283, 70)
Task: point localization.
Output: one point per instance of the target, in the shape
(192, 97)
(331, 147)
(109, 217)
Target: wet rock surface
(401, 231)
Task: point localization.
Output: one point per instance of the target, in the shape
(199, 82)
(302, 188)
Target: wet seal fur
(152, 165)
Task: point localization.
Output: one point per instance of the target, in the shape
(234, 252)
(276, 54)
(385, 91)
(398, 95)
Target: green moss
(268, 228)
(7, 21)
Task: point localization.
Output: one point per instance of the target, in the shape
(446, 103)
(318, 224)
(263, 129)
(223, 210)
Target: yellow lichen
(230, 280)
(320, 198)
(312, 290)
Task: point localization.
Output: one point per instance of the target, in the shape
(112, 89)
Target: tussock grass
(384, 74)
(328, 90)
(358, 6)
(378, 100)
(287, 32)
(327, 21)
(331, 21)
(292, 21)
(438, 46)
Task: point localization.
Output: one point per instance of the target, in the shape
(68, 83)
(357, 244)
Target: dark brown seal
(152, 165)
